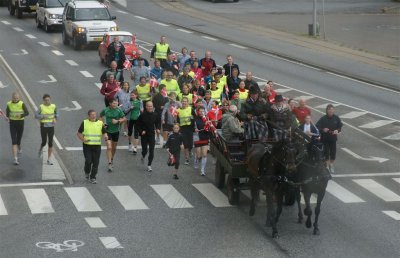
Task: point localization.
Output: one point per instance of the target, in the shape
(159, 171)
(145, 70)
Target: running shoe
(186, 162)
(87, 176)
(331, 169)
(93, 181)
(19, 151)
(196, 163)
(149, 169)
(16, 162)
(110, 167)
(203, 173)
(49, 162)
(125, 133)
(134, 151)
(158, 140)
(176, 176)
(40, 153)
(130, 148)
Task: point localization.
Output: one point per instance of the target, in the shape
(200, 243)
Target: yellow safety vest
(221, 84)
(243, 95)
(48, 113)
(161, 51)
(185, 116)
(216, 94)
(16, 110)
(143, 92)
(189, 97)
(171, 86)
(92, 131)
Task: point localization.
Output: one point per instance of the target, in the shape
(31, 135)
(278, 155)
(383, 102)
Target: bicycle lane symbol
(67, 245)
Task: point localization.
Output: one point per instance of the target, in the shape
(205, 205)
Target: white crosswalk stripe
(397, 180)
(38, 201)
(282, 90)
(95, 222)
(3, 210)
(376, 124)
(353, 114)
(378, 190)
(171, 196)
(213, 194)
(82, 199)
(128, 197)
(394, 137)
(305, 97)
(393, 214)
(342, 193)
(110, 242)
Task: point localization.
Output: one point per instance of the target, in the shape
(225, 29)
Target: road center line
(185, 31)
(86, 74)
(210, 38)
(238, 46)
(140, 17)
(71, 62)
(30, 36)
(161, 24)
(6, 22)
(44, 44)
(18, 29)
(57, 53)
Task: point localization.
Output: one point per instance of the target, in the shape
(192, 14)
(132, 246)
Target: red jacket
(208, 65)
(109, 88)
(301, 113)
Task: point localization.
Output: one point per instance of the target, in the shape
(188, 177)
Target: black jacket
(174, 142)
(333, 123)
(148, 122)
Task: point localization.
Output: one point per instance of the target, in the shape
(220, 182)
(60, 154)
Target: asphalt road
(183, 221)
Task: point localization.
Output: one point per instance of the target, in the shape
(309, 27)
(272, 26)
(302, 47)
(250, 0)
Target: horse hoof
(308, 224)
(316, 232)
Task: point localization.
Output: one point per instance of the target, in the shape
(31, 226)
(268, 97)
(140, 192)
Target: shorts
(200, 143)
(113, 136)
(187, 135)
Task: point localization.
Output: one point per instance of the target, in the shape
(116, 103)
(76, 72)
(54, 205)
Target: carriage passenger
(281, 116)
(231, 126)
(253, 113)
(311, 130)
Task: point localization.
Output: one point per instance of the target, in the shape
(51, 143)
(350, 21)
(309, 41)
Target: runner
(113, 116)
(147, 125)
(109, 89)
(90, 133)
(123, 97)
(159, 101)
(185, 93)
(170, 83)
(139, 71)
(143, 90)
(160, 50)
(16, 112)
(174, 145)
(201, 138)
(134, 110)
(169, 115)
(48, 115)
(118, 73)
(185, 121)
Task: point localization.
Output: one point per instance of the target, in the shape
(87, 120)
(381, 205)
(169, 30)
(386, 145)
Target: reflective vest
(92, 131)
(171, 86)
(48, 113)
(161, 51)
(188, 96)
(243, 95)
(16, 110)
(185, 116)
(216, 94)
(143, 91)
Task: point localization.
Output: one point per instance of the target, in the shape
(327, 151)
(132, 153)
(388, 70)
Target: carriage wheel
(219, 175)
(233, 190)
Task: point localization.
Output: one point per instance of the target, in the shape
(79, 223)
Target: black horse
(313, 177)
(268, 167)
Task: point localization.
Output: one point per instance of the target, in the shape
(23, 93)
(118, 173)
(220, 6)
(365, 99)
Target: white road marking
(159, 146)
(237, 46)
(305, 97)
(31, 184)
(323, 106)
(367, 174)
(210, 38)
(171, 196)
(51, 172)
(376, 124)
(282, 90)
(110, 242)
(378, 190)
(30, 36)
(52, 79)
(342, 193)
(140, 17)
(213, 194)
(313, 199)
(128, 198)
(86, 74)
(82, 199)
(161, 24)
(145, 49)
(371, 158)
(24, 52)
(98, 84)
(3, 210)
(6, 22)
(353, 114)
(59, 146)
(76, 106)
(18, 29)
(120, 11)
(394, 137)
(57, 53)
(71, 62)
(44, 44)
(393, 214)
(95, 222)
(397, 180)
(185, 31)
(38, 201)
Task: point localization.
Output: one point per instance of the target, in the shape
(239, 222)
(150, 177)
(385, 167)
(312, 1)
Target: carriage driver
(281, 116)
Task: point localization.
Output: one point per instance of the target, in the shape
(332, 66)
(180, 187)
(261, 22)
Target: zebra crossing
(83, 200)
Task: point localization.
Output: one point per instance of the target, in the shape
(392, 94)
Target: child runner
(174, 145)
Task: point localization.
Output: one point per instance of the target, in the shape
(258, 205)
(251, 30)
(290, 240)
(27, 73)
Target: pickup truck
(20, 6)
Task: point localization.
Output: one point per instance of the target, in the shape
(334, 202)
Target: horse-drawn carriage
(273, 167)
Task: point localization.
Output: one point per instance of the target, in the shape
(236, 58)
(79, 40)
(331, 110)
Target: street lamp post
(314, 31)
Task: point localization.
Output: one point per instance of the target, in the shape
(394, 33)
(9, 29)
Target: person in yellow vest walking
(16, 112)
(185, 117)
(48, 115)
(90, 132)
(160, 51)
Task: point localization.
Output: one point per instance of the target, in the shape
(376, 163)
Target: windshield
(56, 3)
(89, 14)
(125, 39)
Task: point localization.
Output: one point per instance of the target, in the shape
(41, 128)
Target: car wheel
(65, 37)
(11, 8)
(19, 12)
(38, 25)
(47, 28)
(76, 43)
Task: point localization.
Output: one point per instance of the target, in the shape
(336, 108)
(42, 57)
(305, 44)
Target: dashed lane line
(57, 53)
(140, 17)
(86, 74)
(353, 114)
(185, 31)
(237, 46)
(161, 24)
(30, 36)
(18, 29)
(6, 22)
(110, 242)
(44, 44)
(209, 38)
(71, 62)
